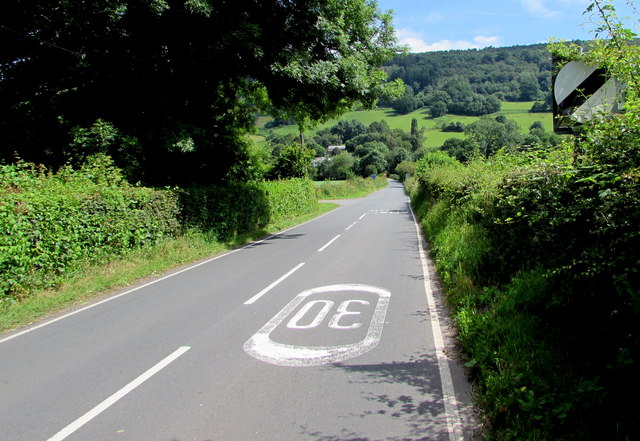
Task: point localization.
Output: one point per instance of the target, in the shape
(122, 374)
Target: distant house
(332, 148)
(316, 162)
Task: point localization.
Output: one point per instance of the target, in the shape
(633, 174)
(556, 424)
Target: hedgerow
(539, 255)
(50, 223)
(353, 186)
(238, 208)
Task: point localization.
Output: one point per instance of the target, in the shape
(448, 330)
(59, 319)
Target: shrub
(51, 223)
(533, 250)
(242, 207)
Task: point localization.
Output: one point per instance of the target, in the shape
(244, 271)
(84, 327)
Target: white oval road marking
(294, 322)
(262, 347)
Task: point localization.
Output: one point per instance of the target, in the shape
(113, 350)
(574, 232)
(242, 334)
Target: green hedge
(49, 223)
(353, 187)
(238, 208)
(539, 256)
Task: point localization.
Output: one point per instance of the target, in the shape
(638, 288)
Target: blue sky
(427, 25)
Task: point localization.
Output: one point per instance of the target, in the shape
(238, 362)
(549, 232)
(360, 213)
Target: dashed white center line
(328, 243)
(84, 419)
(270, 287)
(360, 218)
(349, 227)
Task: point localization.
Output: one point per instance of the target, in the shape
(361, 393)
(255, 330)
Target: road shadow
(268, 240)
(418, 409)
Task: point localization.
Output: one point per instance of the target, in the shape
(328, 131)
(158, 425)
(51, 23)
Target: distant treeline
(471, 82)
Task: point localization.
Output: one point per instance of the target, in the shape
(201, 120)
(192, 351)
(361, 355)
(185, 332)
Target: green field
(434, 137)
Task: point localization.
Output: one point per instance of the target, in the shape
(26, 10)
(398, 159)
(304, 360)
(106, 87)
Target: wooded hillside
(471, 81)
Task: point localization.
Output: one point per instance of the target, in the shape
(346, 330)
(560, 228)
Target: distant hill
(517, 73)
(491, 70)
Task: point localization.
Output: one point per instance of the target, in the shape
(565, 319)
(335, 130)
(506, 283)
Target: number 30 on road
(345, 317)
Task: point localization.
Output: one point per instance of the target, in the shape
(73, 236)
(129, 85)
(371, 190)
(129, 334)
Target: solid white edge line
(137, 288)
(84, 419)
(349, 227)
(454, 424)
(93, 305)
(328, 243)
(270, 287)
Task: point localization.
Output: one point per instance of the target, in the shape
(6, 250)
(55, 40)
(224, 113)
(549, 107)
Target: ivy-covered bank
(52, 224)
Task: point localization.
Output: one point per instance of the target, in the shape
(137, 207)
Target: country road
(330, 331)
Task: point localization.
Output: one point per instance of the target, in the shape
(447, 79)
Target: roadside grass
(349, 189)
(91, 282)
(434, 137)
(509, 354)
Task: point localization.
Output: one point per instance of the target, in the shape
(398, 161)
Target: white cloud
(416, 43)
(539, 8)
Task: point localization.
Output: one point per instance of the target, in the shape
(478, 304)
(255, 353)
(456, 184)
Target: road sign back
(580, 92)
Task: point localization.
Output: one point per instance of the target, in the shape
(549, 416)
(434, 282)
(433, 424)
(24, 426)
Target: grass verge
(103, 278)
(349, 189)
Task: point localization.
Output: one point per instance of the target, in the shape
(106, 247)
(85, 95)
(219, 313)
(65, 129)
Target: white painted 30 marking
(264, 348)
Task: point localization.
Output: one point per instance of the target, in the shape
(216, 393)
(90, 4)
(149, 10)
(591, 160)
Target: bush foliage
(51, 222)
(534, 251)
(242, 207)
(349, 188)
(540, 255)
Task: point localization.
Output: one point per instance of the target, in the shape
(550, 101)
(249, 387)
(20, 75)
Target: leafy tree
(397, 156)
(406, 103)
(340, 167)
(325, 138)
(528, 86)
(417, 135)
(462, 149)
(405, 168)
(379, 127)
(359, 140)
(183, 78)
(278, 122)
(348, 129)
(437, 95)
(438, 109)
(277, 142)
(294, 162)
(492, 134)
(372, 158)
(454, 126)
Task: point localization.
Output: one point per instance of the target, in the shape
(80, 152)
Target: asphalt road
(330, 331)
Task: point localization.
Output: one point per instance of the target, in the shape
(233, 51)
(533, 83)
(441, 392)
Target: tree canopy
(177, 82)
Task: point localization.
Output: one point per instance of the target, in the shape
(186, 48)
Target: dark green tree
(340, 167)
(372, 158)
(417, 135)
(183, 78)
(492, 134)
(294, 162)
(461, 149)
(438, 109)
(348, 129)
